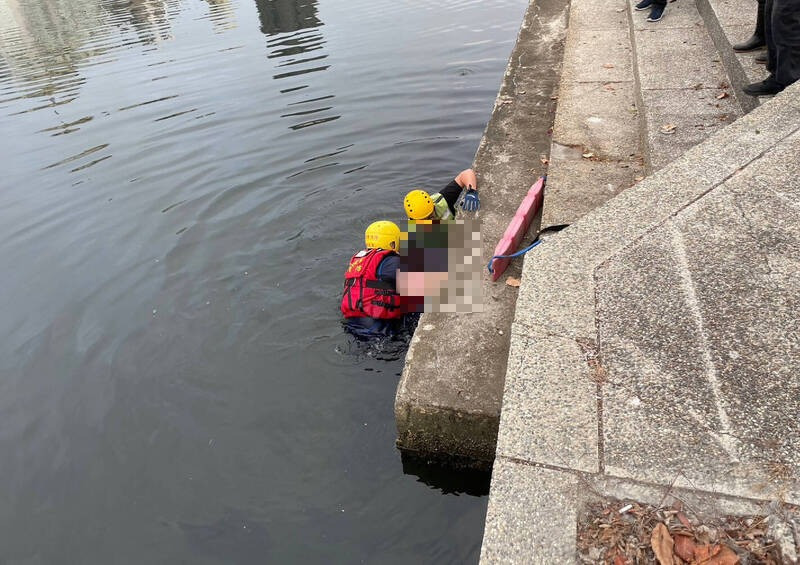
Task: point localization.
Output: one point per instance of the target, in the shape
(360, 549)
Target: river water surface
(182, 184)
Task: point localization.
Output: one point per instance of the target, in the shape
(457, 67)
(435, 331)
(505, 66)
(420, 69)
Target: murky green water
(182, 184)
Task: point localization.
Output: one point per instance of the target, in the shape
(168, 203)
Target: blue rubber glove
(471, 201)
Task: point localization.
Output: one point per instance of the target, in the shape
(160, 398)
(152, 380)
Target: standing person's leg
(786, 37)
(770, 40)
(783, 48)
(757, 40)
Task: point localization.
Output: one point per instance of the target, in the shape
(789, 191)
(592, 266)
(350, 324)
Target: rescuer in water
(420, 205)
(370, 302)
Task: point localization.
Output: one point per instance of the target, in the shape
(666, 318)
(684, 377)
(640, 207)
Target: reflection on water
(41, 43)
(295, 41)
(149, 19)
(47, 44)
(283, 16)
(222, 15)
(467, 481)
(182, 184)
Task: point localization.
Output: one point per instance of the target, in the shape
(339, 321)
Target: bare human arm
(467, 178)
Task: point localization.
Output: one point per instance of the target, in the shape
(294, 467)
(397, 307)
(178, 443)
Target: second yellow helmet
(418, 205)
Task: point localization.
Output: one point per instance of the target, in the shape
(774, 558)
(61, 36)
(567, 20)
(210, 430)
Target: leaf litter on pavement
(617, 532)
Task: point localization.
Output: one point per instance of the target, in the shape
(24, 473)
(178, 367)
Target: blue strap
(517, 254)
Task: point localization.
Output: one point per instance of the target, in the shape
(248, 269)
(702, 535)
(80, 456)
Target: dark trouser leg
(755, 41)
(768, 35)
(785, 36)
(660, 3)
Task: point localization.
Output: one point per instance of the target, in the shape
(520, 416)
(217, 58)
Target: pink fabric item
(518, 227)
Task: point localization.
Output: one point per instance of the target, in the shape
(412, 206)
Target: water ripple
(153, 302)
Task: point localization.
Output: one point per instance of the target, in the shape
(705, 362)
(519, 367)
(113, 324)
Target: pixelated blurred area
(440, 266)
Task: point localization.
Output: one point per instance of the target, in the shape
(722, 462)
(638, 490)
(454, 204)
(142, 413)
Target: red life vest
(364, 293)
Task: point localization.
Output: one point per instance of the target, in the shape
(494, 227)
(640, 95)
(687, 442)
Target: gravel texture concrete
(522, 494)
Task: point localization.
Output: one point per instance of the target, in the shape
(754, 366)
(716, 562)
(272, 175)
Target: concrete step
(684, 93)
(655, 349)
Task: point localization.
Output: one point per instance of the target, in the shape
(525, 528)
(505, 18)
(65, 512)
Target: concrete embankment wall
(623, 111)
(449, 396)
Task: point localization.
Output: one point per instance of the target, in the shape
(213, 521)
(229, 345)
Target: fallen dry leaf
(588, 155)
(704, 553)
(684, 520)
(722, 95)
(608, 66)
(639, 178)
(724, 556)
(667, 129)
(620, 560)
(661, 542)
(684, 547)
(511, 281)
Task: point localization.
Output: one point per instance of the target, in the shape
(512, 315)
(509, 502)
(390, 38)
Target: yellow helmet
(418, 205)
(382, 235)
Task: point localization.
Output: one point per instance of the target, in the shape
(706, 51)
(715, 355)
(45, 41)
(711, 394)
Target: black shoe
(643, 5)
(766, 87)
(761, 58)
(755, 42)
(656, 13)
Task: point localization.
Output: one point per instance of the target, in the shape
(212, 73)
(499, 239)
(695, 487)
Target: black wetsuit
(450, 193)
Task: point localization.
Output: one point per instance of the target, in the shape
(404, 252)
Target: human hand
(471, 201)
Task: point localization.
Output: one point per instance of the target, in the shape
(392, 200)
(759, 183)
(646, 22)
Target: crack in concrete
(670, 488)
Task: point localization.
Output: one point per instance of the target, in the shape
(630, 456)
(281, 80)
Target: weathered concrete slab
(531, 516)
(715, 333)
(735, 13)
(584, 62)
(578, 185)
(680, 109)
(549, 381)
(599, 14)
(598, 140)
(690, 52)
(608, 127)
(449, 396)
(680, 119)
